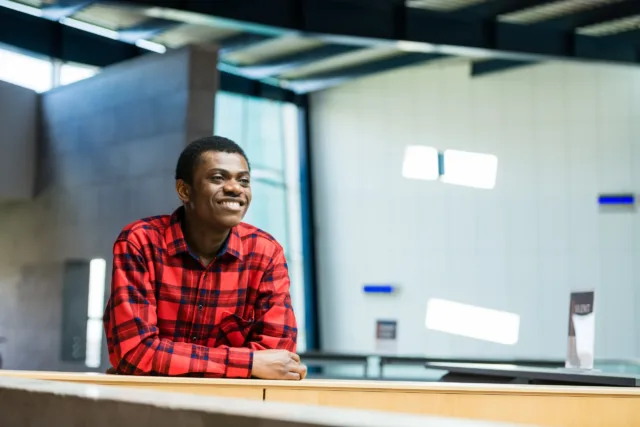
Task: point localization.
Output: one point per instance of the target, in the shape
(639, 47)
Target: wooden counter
(56, 404)
(553, 406)
(249, 389)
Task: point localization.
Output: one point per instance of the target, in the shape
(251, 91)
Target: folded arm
(133, 340)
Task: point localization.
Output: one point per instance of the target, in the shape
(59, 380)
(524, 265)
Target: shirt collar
(177, 244)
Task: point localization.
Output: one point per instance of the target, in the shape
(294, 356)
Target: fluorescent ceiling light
(90, 28)
(21, 7)
(472, 321)
(152, 46)
(477, 170)
(420, 162)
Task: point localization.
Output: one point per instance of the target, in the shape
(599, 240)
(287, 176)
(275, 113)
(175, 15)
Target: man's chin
(229, 221)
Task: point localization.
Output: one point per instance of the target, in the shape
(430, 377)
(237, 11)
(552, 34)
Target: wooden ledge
(317, 384)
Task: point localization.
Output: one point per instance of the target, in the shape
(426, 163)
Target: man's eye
(244, 181)
(217, 178)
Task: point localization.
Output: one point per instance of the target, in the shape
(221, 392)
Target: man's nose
(232, 186)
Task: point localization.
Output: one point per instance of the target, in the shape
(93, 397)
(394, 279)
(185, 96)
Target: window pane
(268, 210)
(70, 73)
(27, 71)
(264, 140)
(229, 117)
(256, 125)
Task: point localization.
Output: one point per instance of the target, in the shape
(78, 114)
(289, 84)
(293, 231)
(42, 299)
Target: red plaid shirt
(168, 314)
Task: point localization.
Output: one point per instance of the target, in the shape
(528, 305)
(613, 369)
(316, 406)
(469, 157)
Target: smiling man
(199, 292)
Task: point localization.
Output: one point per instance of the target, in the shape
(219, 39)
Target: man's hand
(277, 365)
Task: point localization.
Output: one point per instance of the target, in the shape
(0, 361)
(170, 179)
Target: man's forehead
(232, 162)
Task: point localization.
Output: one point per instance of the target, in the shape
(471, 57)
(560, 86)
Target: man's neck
(203, 241)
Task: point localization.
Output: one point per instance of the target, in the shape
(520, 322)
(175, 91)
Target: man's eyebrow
(226, 171)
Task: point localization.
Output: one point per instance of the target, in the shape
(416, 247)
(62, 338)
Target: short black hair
(191, 154)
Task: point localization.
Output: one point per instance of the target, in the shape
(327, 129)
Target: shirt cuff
(239, 363)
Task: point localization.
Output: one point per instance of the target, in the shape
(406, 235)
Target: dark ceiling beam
(327, 79)
(283, 64)
(240, 41)
(491, 66)
(606, 49)
(632, 36)
(52, 39)
(347, 22)
(355, 19)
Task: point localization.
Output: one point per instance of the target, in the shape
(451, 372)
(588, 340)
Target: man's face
(221, 190)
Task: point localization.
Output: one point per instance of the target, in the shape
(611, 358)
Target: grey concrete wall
(106, 157)
(18, 125)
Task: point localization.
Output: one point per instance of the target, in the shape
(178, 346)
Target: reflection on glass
(472, 321)
(420, 162)
(469, 169)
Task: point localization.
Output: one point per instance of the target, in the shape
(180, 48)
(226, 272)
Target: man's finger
(303, 374)
(300, 370)
(295, 357)
(294, 376)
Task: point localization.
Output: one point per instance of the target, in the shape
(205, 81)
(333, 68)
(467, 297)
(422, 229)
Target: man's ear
(184, 191)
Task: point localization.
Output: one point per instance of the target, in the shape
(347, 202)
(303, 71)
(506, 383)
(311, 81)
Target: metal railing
(374, 362)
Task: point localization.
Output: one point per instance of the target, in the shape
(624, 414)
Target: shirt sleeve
(275, 326)
(134, 345)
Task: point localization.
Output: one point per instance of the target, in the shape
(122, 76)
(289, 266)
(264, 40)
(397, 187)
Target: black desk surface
(560, 375)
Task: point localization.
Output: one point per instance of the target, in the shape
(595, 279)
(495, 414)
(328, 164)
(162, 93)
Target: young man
(200, 293)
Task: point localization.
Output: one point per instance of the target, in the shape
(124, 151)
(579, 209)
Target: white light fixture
(19, 7)
(477, 170)
(90, 28)
(420, 162)
(152, 46)
(97, 276)
(472, 321)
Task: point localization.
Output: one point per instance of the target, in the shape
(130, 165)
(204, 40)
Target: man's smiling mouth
(232, 205)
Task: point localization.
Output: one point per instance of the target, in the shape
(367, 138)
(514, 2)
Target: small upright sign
(386, 337)
(581, 345)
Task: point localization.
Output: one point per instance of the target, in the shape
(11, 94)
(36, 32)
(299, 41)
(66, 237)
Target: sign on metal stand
(581, 340)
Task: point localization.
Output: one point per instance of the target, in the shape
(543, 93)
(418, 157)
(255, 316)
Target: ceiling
(308, 45)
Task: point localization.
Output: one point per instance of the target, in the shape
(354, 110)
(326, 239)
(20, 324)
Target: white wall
(562, 134)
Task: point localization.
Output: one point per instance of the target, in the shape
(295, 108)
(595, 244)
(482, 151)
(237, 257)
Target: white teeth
(231, 205)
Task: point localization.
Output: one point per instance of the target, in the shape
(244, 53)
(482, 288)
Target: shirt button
(200, 307)
(194, 338)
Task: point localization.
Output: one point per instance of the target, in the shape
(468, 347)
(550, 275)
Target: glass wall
(268, 132)
(39, 73)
